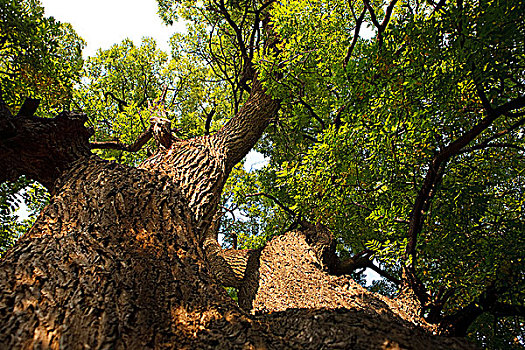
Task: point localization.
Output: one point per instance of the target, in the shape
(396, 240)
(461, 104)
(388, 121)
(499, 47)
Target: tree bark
(126, 258)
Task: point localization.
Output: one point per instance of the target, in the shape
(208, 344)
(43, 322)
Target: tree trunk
(126, 258)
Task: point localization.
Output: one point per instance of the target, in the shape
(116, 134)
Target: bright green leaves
(116, 88)
(39, 57)
(314, 36)
(120, 83)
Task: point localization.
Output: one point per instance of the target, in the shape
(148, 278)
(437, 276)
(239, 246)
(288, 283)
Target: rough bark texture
(113, 263)
(126, 258)
(41, 148)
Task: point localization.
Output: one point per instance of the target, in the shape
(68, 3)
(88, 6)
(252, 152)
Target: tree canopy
(401, 130)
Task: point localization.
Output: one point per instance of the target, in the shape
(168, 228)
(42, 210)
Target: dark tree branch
(358, 261)
(380, 26)
(506, 310)
(362, 260)
(236, 29)
(491, 145)
(433, 178)
(388, 14)
(29, 107)
(439, 5)
(458, 323)
(438, 302)
(117, 145)
(312, 112)
(506, 131)
(358, 24)
(373, 16)
(209, 117)
(121, 103)
(384, 274)
(517, 103)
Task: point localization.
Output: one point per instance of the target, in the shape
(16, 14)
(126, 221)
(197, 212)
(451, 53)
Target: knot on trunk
(162, 131)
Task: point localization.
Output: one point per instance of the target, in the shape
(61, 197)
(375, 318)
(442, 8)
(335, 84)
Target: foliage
(39, 58)
(354, 141)
(372, 92)
(12, 195)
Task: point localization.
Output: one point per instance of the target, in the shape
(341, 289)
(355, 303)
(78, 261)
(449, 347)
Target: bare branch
(209, 117)
(117, 145)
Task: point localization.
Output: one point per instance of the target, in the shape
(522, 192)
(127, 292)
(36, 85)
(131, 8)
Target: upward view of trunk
(127, 258)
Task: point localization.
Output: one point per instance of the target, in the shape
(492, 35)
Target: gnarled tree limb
(41, 148)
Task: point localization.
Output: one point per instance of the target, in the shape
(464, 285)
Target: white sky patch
(371, 276)
(22, 212)
(255, 161)
(367, 31)
(102, 23)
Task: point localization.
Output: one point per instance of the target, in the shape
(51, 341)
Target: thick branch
(241, 133)
(441, 298)
(384, 274)
(458, 323)
(29, 107)
(359, 261)
(506, 310)
(433, 177)
(40, 148)
(228, 265)
(506, 131)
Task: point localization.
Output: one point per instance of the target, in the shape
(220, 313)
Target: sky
(102, 23)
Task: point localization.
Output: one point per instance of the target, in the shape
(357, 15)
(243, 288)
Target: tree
(126, 257)
(41, 59)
